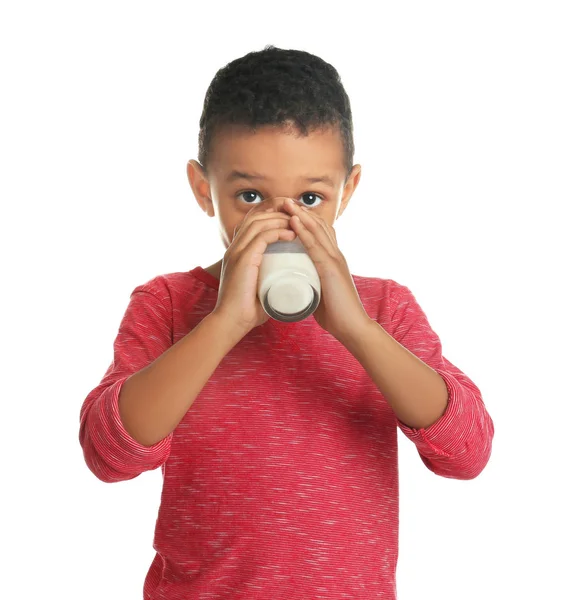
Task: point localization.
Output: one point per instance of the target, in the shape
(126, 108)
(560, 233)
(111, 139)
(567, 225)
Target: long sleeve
(458, 444)
(145, 332)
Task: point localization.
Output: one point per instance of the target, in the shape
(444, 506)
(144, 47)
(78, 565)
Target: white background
(461, 116)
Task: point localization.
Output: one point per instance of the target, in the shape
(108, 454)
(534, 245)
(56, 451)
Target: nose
(277, 203)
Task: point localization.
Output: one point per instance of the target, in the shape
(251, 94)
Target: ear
(200, 186)
(349, 188)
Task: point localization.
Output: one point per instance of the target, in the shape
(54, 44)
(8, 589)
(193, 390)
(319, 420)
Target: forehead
(270, 149)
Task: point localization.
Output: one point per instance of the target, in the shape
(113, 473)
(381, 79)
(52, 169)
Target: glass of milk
(289, 287)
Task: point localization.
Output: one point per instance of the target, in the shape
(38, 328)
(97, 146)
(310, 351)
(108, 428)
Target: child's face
(284, 161)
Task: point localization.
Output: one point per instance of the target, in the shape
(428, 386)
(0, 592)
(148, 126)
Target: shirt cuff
(116, 447)
(441, 438)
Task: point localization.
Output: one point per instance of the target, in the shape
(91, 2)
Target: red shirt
(281, 481)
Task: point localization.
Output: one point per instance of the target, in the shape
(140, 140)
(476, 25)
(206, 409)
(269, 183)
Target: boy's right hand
(237, 295)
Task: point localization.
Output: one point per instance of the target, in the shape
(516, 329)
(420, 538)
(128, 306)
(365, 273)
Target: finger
(256, 248)
(327, 229)
(254, 216)
(300, 210)
(314, 235)
(260, 225)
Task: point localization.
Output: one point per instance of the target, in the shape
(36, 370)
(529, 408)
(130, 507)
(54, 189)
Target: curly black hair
(275, 86)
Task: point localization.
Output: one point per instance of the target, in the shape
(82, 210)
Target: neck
(215, 269)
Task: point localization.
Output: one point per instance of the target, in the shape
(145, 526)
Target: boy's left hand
(340, 311)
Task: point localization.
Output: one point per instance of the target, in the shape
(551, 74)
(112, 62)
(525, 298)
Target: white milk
(289, 287)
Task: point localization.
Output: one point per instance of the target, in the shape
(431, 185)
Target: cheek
(328, 214)
(230, 219)
(229, 224)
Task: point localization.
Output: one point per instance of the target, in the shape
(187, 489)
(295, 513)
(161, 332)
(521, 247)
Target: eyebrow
(239, 175)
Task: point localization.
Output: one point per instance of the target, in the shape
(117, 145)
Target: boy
(277, 442)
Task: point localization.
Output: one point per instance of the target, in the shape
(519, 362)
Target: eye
(312, 201)
(312, 198)
(250, 193)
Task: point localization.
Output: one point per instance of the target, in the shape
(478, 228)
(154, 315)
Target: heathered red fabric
(281, 481)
